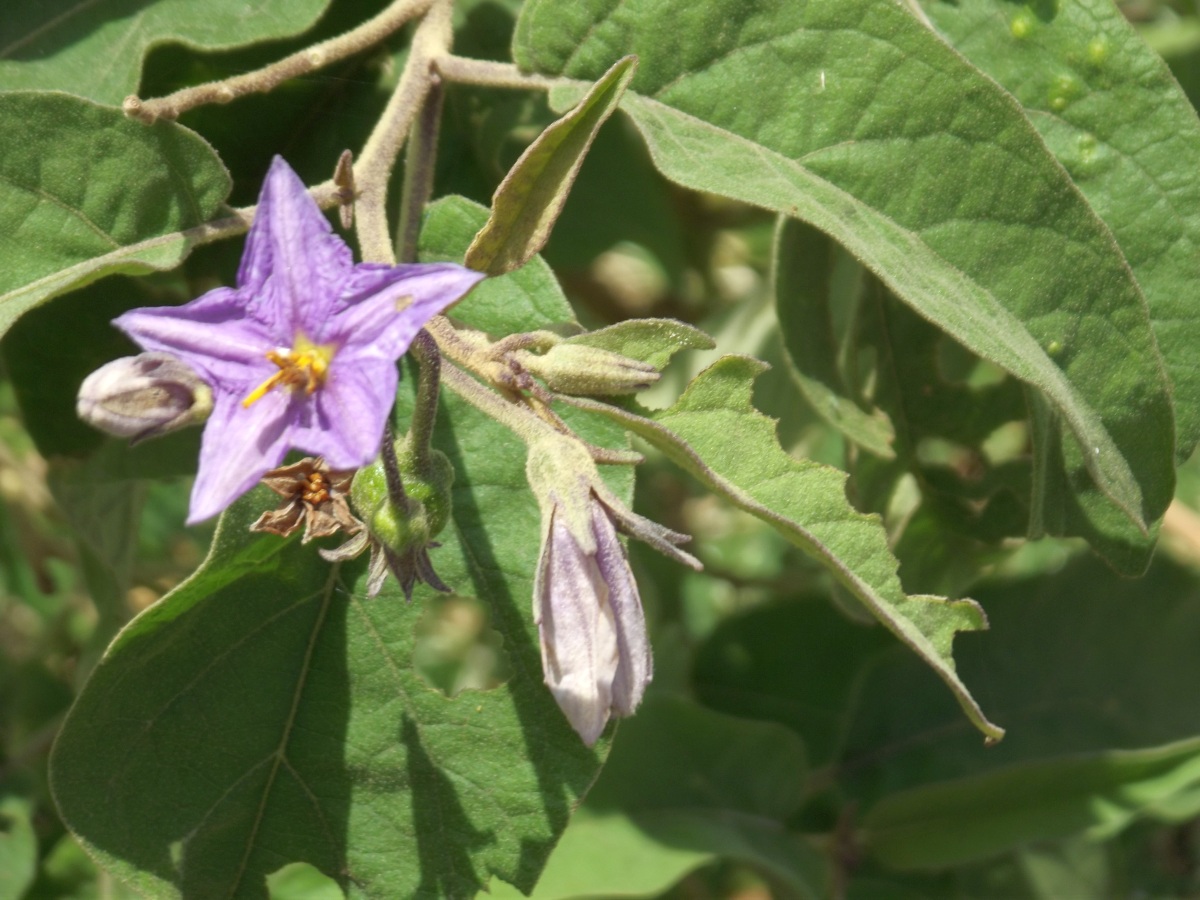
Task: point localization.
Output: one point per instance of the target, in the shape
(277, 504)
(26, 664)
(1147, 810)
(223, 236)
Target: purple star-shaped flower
(302, 353)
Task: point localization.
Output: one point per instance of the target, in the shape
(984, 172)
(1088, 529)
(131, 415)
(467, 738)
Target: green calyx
(423, 511)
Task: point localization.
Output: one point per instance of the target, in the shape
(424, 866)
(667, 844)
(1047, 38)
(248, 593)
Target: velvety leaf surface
(532, 195)
(1099, 795)
(95, 194)
(524, 300)
(684, 787)
(1111, 113)
(716, 434)
(95, 49)
(265, 712)
(928, 173)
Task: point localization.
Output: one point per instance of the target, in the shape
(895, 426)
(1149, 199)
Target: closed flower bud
(595, 652)
(144, 396)
(579, 369)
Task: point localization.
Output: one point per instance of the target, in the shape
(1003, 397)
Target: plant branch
(485, 73)
(418, 171)
(374, 167)
(307, 60)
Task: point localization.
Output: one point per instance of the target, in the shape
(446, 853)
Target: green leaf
(531, 196)
(18, 847)
(1110, 111)
(95, 194)
(524, 300)
(850, 115)
(804, 262)
(714, 433)
(95, 49)
(265, 712)
(685, 787)
(652, 341)
(796, 663)
(1066, 665)
(961, 821)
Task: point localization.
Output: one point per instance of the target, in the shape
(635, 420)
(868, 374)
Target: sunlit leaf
(95, 49)
(90, 193)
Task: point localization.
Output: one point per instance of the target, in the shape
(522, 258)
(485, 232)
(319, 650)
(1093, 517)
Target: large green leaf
(88, 193)
(1111, 113)
(265, 712)
(95, 49)
(851, 115)
(683, 787)
(714, 432)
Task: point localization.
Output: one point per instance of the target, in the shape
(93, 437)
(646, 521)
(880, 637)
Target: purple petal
(346, 423)
(212, 334)
(384, 307)
(239, 446)
(293, 265)
(636, 666)
(578, 635)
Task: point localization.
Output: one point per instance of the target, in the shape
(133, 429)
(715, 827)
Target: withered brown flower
(314, 495)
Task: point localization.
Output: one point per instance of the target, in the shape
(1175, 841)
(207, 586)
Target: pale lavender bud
(595, 653)
(143, 396)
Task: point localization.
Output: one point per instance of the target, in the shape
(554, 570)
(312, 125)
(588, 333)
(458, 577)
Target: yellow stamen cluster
(305, 365)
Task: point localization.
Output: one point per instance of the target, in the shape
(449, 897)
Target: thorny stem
(374, 168)
(420, 430)
(307, 60)
(418, 171)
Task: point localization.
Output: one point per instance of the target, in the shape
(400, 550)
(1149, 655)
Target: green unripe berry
(427, 492)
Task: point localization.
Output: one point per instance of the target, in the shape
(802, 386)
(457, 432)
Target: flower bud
(579, 369)
(595, 652)
(144, 396)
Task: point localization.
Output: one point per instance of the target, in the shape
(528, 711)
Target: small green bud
(579, 369)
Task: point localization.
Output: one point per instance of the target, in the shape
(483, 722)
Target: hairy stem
(307, 60)
(425, 351)
(391, 473)
(374, 167)
(418, 171)
(461, 70)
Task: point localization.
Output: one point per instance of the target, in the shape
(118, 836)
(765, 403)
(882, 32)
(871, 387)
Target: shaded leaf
(1098, 795)
(685, 787)
(531, 196)
(96, 49)
(95, 194)
(803, 261)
